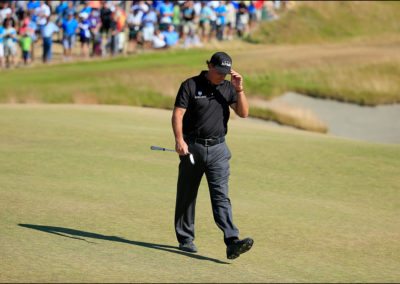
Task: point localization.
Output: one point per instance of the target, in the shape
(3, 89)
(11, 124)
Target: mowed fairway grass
(83, 199)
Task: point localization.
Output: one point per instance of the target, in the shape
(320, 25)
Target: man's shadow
(80, 235)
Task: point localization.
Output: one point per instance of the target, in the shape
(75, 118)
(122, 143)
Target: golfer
(200, 123)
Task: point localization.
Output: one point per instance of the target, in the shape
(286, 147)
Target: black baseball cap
(222, 62)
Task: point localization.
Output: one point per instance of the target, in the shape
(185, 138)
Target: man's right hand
(181, 148)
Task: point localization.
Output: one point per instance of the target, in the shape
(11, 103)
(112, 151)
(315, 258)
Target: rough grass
(85, 200)
(330, 21)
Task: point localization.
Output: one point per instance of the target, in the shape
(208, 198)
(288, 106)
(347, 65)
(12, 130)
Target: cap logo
(226, 63)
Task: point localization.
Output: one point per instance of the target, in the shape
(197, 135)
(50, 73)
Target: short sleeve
(183, 96)
(232, 95)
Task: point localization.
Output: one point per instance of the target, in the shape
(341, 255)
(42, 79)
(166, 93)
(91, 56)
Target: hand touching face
(236, 80)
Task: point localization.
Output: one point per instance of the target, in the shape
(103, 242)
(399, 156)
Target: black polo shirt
(207, 106)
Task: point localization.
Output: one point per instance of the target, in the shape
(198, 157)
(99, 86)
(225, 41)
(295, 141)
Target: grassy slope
(331, 21)
(320, 209)
(368, 83)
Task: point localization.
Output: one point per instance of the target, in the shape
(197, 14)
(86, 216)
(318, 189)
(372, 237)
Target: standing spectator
(206, 14)
(230, 19)
(10, 39)
(43, 12)
(176, 18)
(221, 14)
(141, 5)
(32, 28)
(26, 46)
(188, 19)
(86, 8)
(69, 27)
(105, 16)
(149, 22)
(166, 13)
(2, 31)
(31, 7)
(242, 19)
(94, 25)
(60, 11)
(121, 25)
(134, 24)
(47, 34)
(84, 33)
(113, 44)
(60, 15)
(71, 9)
(9, 16)
(258, 4)
(252, 15)
(4, 11)
(213, 19)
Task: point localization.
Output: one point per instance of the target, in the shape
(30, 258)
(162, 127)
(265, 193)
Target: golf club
(157, 148)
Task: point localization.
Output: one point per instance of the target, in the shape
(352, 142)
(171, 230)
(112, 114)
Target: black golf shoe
(188, 247)
(238, 247)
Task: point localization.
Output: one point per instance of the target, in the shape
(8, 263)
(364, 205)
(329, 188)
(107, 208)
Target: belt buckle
(206, 142)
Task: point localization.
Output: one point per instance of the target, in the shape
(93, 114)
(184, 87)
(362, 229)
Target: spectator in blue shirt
(47, 34)
(166, 13)
(32, 6)
(60, 10)
(1, 45)
(171, 37)
(149, 22)
(221, 13)
(86, 9)
(69, 27)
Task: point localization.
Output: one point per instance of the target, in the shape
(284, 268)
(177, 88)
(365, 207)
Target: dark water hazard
(379, 124)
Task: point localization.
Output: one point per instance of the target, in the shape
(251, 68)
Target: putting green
(83, 199)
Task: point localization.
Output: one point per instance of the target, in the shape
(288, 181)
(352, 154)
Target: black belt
(207, 142)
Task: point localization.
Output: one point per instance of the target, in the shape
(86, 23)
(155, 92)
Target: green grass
(330, 21)
(96, 205)
(364, 84)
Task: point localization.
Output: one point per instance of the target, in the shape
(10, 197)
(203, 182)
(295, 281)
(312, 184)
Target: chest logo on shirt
(200, 95)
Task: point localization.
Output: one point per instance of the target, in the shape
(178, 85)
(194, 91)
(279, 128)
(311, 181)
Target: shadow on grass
(80, 235)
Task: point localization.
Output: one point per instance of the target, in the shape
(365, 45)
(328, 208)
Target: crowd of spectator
(111, 27)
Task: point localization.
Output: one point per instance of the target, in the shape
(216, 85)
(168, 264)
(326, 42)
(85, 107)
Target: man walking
(199, 122)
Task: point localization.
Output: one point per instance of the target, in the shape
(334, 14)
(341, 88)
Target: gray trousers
(214, 162)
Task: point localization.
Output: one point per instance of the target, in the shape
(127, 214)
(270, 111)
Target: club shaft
(157, 148)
